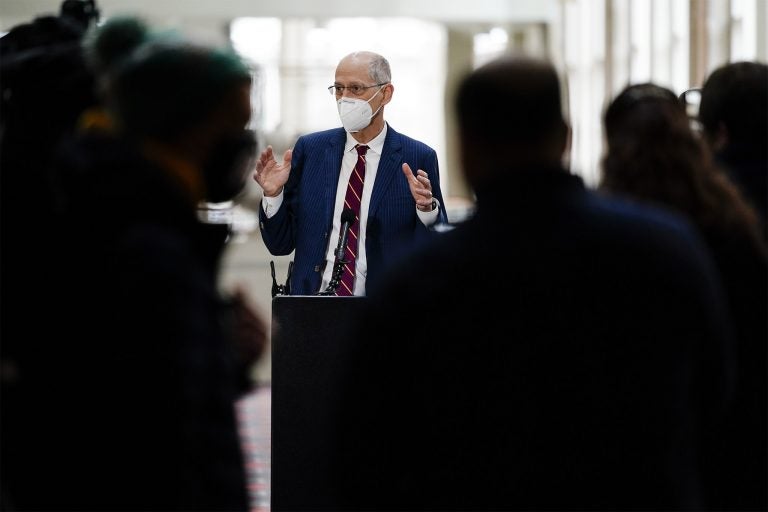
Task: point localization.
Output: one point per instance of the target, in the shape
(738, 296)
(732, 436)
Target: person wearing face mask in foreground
(387, 192)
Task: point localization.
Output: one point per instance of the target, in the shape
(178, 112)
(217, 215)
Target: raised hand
(269, 174)
(421, 188)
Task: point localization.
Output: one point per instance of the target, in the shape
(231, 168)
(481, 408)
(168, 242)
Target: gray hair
(378, 66)
(378, 69)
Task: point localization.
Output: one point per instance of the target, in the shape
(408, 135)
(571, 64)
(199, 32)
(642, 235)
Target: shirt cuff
(270, 205)
(429, 218)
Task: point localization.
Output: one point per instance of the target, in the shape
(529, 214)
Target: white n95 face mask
(356, 114)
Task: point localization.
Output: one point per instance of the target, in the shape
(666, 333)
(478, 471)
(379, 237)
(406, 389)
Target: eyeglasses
(357, 90)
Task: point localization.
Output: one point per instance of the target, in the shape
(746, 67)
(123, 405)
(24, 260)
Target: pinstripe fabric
(352, 201)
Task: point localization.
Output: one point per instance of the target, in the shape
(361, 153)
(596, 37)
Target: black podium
(308, 343)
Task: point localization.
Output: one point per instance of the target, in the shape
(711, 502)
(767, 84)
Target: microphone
(347, 218)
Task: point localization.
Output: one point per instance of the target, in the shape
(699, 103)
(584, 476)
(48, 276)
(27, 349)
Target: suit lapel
(334, 152)
(388, 169)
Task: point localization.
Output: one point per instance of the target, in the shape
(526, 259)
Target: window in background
(744, 30)
(609, 44)
(679, 45)
(640, 36)
(583, 55)
(259, 41)
(718, 34)
(489, 45)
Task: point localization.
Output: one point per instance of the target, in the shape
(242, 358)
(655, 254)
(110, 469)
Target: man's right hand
(270, 175)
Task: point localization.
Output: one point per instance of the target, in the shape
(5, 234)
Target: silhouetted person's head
(654, 155)
(633, 99)
(646, 120)
(510, 117)
(652, 151)
(81, 12)
(734, 109)
(109, 44)
(194, 101)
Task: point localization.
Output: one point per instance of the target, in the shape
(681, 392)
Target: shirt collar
(376, 144)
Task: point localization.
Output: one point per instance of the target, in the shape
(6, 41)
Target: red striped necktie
(352, 201)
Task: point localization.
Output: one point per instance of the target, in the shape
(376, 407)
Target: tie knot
(361, 149)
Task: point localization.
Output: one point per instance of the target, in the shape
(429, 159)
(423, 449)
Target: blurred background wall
(599, 46)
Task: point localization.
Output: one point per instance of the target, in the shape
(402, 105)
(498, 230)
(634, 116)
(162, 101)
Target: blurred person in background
(734, 115)
(45, 85)
(654, 157)
(130, 404)
(574, 371)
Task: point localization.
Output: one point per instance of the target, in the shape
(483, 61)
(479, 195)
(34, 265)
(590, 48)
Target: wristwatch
(431, 207)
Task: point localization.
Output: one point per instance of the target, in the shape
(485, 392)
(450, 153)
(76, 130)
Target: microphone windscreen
(347, 216)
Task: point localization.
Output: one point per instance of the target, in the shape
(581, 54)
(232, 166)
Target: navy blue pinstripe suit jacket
(303, 222)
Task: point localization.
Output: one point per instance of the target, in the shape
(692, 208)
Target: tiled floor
(254, 414)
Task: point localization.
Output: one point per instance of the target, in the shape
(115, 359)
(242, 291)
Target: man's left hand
(420, 187)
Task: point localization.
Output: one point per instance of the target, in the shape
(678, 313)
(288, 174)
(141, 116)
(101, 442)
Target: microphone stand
(338, 269)
(347, 218)
(279, 289)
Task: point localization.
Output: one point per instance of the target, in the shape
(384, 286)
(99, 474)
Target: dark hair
(113, 42)
(164, 88)
(736, 95)
(45, 86)
(512, 100)
(654, 155)
(82, 12)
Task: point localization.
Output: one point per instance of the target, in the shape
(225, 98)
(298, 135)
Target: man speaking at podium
(389, 181)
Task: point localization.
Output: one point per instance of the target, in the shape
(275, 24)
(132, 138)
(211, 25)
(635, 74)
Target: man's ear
(386, 93)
